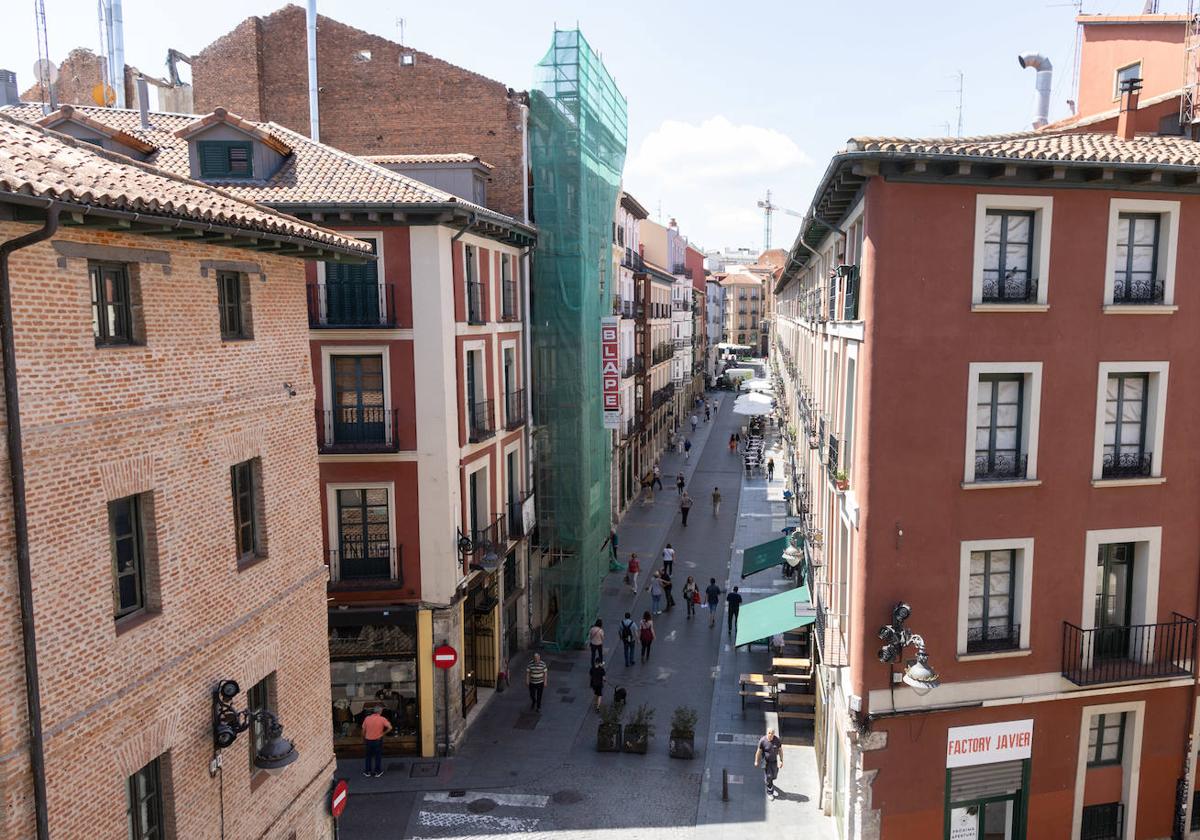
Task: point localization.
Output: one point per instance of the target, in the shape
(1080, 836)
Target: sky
(725, 100)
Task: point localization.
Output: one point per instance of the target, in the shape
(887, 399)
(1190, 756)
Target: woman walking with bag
(691, 594)
(631, 572)
(656, 590)
(646, 635)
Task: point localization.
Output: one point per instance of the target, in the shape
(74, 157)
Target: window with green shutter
(226, 158)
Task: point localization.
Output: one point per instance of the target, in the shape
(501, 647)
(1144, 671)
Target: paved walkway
(519, 773)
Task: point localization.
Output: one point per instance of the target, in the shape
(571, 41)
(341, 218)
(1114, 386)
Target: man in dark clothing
(733, 603)
(770, 752)
(685, 507)
(628, 637)
(713, 596)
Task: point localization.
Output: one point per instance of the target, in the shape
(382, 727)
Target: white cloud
(714, 150)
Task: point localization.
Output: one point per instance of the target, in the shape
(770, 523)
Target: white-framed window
(1131, 404)
(362, 531)
(1121, 569)
(1143, 240)
(1003, 412)
(1012, 250)
(1133, 716)
(1121, 74)
(995, 597)
(356, 396)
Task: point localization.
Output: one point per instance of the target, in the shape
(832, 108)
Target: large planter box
(636, 740)
(608, 738)
(682, 744)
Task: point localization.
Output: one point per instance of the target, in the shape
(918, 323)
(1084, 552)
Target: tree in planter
(608, 734)
(683, 733)
(842, 480)
(639, 731)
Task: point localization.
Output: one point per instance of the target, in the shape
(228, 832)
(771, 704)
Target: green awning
(780, 613)
(759, 557)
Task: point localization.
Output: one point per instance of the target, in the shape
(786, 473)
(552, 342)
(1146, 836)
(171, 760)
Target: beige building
(744, 309)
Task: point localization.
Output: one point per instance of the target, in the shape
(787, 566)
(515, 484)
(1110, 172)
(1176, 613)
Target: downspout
(314, 111)
(527, 348)
(16, 463)
(1183, 798)
(470, 224)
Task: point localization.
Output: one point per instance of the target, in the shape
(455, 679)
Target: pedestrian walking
(667, 586)
(679, 483)
(691, 594)
(612, 544)
(733, 603)
(713, 596)
(685, 507)
(716, 499)
(596, 640)
(536, 677)
(707, 414)
(770, 469)
(374, 727)
(627, 638)
(770, 753)
(695, 422)
(687, 449)
(596, 678)
(668, 559)
(632, 570)
(733, 443)
(655, 588)
(646, 635)
(657, 476)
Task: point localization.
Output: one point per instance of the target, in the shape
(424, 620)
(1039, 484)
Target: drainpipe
(1183, 797)
(314, 116)
(16, 462)
(470, 224)
(527, 350)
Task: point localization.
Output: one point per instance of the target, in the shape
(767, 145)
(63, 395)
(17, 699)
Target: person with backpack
(770, 752)
(687, 449)
(627, 638)
(713, 595)
(646, 635)
(691, 594)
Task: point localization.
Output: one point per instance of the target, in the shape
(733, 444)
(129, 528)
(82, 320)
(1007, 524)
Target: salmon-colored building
(985, 346)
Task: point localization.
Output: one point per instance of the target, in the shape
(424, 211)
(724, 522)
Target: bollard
(725, 784)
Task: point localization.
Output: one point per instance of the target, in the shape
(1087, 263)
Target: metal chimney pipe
(118, 57)
(143, 95)
(314, 118)
(1041, 96)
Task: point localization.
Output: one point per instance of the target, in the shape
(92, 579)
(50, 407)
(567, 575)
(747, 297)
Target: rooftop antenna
(400, 26)
(44, 70)
(959, 107)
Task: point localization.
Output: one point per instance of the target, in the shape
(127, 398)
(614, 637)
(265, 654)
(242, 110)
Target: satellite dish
(45, 70)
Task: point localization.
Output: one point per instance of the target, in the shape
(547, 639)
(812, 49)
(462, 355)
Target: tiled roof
(312, 175)
(1059, 146)
(39, 163)
(220, 115)
(447, 157)
(68, 113)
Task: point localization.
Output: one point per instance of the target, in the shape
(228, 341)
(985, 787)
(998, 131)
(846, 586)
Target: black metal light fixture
(918, 674)
(489, 562)
(276, 752)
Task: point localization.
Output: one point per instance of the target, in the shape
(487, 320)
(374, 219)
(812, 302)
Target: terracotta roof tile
(41, 163)
(220, 115)
(68, 113)
(445, 157)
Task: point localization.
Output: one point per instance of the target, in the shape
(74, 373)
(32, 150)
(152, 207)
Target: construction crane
(768, 209)
(1189, 102)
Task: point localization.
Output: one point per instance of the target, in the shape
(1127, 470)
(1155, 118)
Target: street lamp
(276, 751)
(918, 673)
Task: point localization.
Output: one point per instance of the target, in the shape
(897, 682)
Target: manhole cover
(424, 769)
(566, 797)
(526, 720)
(481, 806)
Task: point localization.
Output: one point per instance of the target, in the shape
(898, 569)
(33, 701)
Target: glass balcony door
(364, 542)
(1114, 593)
(359, 415)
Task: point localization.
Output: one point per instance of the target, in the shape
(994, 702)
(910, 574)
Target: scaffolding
(577, 152)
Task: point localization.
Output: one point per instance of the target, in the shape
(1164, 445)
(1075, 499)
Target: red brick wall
(260, 71)
(169, 418)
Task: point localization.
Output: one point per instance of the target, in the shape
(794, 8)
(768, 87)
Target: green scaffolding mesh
(577, 153)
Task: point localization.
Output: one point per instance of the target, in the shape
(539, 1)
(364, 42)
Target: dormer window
(225, 158)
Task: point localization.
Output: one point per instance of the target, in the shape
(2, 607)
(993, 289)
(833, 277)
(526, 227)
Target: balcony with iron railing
(1128, 653)
(681, 343)
(487, 545)
(1000, 466)
(1009, 288)
(481, 420)
(1137, 291)
(514, 409)
(679, 268)
(510, 303)
(360, 564)
(996, 637)
(681, 306)
(350, 305)
(1103, 822)
(632, 260)
(357, 429)
(1126, 464)
(474, 302)
(850, 295)
(516, 519)
(833, 456)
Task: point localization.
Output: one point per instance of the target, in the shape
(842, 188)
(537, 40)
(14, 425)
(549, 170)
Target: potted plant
(639, 731)
(608, 735)
(683, 733)
(842, 480)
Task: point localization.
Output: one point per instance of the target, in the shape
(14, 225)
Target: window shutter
(985, 780)
(240, 164)
(214, 161)
(137, 327)
(247, 310)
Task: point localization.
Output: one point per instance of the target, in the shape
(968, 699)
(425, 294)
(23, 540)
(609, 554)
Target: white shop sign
(989, 743)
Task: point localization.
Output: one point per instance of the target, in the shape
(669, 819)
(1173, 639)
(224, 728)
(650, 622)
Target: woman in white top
(596, 641)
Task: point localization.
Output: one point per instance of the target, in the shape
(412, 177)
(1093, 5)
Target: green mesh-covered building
(577, 152)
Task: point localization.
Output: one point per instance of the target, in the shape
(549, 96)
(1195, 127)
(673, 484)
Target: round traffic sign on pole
(444, 657)
(338, 797)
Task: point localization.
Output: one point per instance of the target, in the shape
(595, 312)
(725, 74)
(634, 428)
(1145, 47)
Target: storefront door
(987, 780)
(993, 820)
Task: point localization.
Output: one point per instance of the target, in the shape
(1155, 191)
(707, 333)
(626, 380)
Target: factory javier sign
(610, 372)
(989, 743)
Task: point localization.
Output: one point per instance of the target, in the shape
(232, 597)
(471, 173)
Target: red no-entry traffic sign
(444, 657)
(338, 797)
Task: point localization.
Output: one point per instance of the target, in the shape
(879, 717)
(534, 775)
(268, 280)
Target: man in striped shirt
(536, 676)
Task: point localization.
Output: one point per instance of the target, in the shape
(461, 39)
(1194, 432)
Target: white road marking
(512, 800)
(441, 819)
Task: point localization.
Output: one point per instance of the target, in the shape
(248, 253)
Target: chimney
(1042, 83)
(1127, 120)
(143, 97)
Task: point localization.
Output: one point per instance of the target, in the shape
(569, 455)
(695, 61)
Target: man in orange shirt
(374, 727)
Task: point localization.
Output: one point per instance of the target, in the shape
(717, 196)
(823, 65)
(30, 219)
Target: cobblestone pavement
(519, 774)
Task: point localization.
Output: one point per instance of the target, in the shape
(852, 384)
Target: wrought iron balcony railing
(1135, 652)
(998, 289)
(489, 540)
(474, 302)
(516, 521)
(481, 420)
(1137, 291)
(1103, 822)
(360, 562)
(850, 296)
(1126, 464)
(996, 637)
(679, 268)
(368, 305)
(998, 466)
(514, 409)
(833, 455)
(348, 429)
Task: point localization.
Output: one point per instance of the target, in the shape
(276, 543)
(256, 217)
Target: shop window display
(374, 665)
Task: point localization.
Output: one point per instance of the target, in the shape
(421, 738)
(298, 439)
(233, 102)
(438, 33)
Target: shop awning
(780, 613)
(758, 558)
